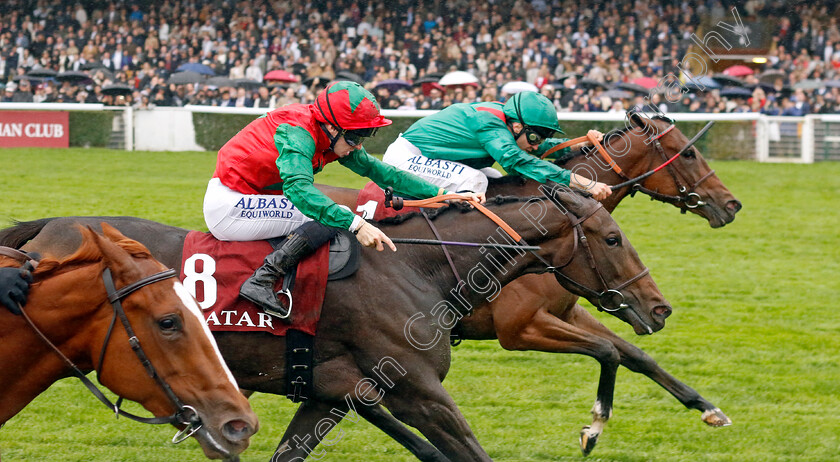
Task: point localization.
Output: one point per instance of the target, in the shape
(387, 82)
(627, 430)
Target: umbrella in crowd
(392, 85)
(618, 94)
(770, 76)
(512, 88)
(735, 92)
(281, 76)
(117, 89)
(198, 68)
(458, 78)
(632, 87)
(703, 83)
(19, 78)
(808, 84)
(91, 65)
(729, 81)
(42, 72)
(646, 82)
(72, 76)
(347, 75)
(429, 86)
(566, 75)
(591, 83)
(738, 70)
(248, 84)
(182, 78)
(219, 82)
(319, 80)
(427, 79)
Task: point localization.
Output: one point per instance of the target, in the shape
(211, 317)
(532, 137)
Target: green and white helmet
(532, 109)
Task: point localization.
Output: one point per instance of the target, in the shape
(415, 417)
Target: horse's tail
(22, 232)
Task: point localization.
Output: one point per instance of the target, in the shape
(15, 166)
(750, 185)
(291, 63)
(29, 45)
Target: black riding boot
(259, 288)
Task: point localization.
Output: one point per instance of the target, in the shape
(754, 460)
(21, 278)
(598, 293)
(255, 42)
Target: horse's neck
(634, 163)
(484, 272)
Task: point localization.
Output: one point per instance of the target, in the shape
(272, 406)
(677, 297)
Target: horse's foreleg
(311, 423)
(636, 360)
(384, 421)
(543, 331)
(424, 404)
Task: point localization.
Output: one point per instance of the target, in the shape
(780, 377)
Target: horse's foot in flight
(716, 418)
(588, 439)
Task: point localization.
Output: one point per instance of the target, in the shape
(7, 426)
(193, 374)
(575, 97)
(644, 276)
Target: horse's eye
(689, 154)
(613, 241)
(170, 323)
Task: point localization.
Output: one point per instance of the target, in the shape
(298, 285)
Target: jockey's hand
(371, 236)
(14, 286)
(599, 136)
(471, 196)
(599, 191)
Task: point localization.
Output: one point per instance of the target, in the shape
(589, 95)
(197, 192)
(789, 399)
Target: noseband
(184, 414)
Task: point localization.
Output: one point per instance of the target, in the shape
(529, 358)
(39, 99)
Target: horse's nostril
(662, 311)
(734, 206)
(237, 430)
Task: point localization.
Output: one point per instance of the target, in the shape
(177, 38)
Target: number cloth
(212, 271)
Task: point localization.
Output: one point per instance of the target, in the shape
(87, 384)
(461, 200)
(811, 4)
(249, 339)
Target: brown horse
(401, 307)
(69, 305)
(536, 313)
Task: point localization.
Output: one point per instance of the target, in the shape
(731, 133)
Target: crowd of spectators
(573, 52)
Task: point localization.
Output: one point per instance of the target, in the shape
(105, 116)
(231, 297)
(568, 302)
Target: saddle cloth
(213, 270)
(370, 204)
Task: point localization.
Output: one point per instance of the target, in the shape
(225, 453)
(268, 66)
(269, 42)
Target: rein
(184, 414)
(610, 300)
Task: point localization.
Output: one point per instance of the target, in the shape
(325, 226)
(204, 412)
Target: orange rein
(581, 139)
(437, 202)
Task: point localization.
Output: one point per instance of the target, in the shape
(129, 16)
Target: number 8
(206, 277)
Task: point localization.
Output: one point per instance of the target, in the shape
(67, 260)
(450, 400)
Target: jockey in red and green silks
(263, 183)
(456, 147)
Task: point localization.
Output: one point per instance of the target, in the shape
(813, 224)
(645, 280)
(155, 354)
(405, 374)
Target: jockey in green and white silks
(263, 183)
(456, 147)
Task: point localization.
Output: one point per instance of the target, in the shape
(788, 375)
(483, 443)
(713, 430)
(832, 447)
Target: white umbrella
(458, 78)
(517, 86)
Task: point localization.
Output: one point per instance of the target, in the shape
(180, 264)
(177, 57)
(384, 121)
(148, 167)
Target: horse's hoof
(716, 418)
(588, 440)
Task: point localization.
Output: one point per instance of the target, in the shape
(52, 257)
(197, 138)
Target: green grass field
(755, 329)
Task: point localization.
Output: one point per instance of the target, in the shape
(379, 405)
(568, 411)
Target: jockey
(14, 286)
(456, 147)
(263, 184)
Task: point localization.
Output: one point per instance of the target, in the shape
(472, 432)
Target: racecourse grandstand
(586, 56)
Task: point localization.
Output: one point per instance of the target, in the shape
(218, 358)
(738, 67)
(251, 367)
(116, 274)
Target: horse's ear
(566, 198)
(112, 233)
(114, 255)
(636, 119)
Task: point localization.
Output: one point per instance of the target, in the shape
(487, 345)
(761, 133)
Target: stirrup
(279, 314)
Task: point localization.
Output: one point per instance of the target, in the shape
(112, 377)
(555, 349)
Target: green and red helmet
(532, 109)
(348, 106)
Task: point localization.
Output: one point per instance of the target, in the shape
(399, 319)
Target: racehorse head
(168, 326)
(593, 258)
(686, 182)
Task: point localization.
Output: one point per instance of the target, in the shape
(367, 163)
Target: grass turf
(754, 329)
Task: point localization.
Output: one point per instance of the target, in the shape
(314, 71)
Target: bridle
(184, 414)
(688, 198)
(609, 299)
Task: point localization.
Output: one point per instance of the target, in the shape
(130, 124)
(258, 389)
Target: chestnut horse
(536, 313)
(383, 333)
(171, 365)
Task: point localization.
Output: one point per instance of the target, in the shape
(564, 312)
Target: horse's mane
(459, 206)
(89, 252)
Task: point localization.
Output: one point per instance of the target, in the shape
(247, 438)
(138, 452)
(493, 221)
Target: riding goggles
(357, 137)
(535, 135)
